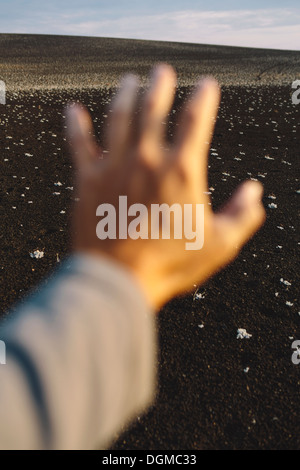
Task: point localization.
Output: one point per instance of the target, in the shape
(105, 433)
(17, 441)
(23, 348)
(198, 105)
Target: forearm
(80, 359)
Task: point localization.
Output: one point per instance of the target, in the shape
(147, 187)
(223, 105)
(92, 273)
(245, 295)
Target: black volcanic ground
(215, 391)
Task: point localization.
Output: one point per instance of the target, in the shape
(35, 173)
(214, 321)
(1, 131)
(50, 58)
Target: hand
(142, 167)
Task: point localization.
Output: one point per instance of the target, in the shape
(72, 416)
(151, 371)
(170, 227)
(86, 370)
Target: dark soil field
(215, 391)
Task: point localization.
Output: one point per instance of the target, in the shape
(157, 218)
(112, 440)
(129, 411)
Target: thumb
(241, 217)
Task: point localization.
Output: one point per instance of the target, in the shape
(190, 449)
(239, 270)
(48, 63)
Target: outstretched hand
(140, 165)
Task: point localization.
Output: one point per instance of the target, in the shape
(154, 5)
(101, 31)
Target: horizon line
(148, 40)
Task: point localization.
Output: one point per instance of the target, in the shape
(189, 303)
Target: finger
(123, 107)
(241, 217)
(155, 108)
(196, 128)
(80, 135)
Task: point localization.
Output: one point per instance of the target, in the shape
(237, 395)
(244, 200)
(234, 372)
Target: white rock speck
(242, 334)
(37, 254)
(286, 283)
(199, 295)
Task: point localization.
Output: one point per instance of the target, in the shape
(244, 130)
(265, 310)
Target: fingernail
(159, 71)
(73, 127)
(253, 192)
(129, 81)
(128, 90)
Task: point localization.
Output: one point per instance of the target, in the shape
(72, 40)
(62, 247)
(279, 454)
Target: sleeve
(80, 359)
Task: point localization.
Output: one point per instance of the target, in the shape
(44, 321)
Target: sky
(257, 23)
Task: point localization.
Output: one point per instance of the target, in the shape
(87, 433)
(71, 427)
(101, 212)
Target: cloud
(273, 28)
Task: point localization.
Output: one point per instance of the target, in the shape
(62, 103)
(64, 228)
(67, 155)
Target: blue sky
(273, 24)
